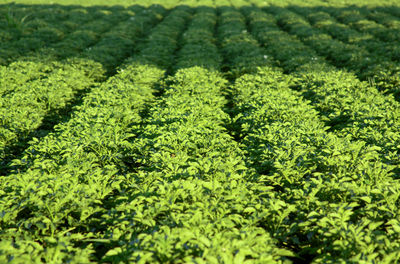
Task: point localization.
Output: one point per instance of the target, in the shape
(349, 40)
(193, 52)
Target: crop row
(241, 51)
(380, 24)
(198, 42)
(379, 69)
(378, 61)
(64, 179)
(324, 181)
(88, 150)
(47, 34)
(375, 64)
(188, 199)
(330, 91)
(47, 87)
(22, 23)
(350, 107)
(289, 146)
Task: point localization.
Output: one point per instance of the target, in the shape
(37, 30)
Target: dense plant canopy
(229, 131)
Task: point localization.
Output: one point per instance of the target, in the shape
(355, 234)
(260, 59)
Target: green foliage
(199, 132)
(20, 24)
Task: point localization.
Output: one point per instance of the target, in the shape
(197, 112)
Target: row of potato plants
(380, 64)
(93, 39)
(47, 87)
(358, 111)
(198, 42)
(379, 173)
(96, 40)
(82, 39)
(56, 83)
(241, 51)
(387, 20)
(278, 158)
(380, 71)
(324, 183)
(383, 74)
(85, 33)
(44, 34)
(120, 41)
(350, 107)
(289, 52)
(189, 199)
(382, 25)
(32, 66)
(391, 10)
(343, 32)
(160, 49)
(25, 105)
(50, 205)
(19, 21)
(357, 171)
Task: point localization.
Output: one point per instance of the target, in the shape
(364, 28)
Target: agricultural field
(213, 131)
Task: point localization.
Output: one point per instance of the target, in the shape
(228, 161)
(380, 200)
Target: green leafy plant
(20, 24)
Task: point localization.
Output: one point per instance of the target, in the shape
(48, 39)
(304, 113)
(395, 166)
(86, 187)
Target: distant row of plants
(37, 87)
(372, 59)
